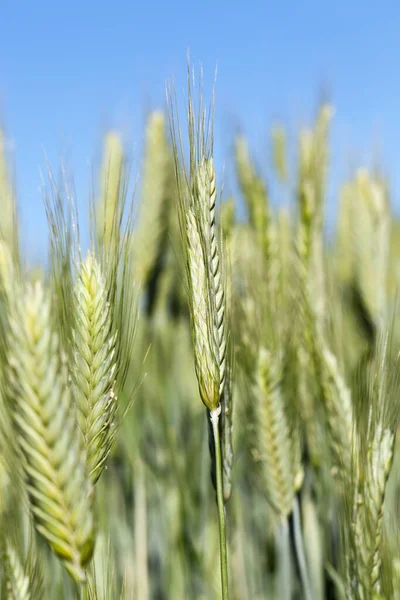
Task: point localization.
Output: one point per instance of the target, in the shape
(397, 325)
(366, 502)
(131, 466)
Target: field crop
(204, 403)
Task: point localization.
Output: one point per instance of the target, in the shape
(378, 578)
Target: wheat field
(203, 404)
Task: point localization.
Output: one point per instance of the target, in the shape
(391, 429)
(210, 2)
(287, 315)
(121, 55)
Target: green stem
(214, 415)
(83, 589)
(299, 547)
(284, 591)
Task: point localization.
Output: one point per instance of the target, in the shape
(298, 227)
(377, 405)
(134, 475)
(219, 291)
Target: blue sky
(70, 70)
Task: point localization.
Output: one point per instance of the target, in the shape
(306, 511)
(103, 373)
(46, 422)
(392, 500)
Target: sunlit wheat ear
(157, 190)
(336, 398)
(7, 269)
(95, 367)
(111, 183)
(313, 166)
(363, 245)
(254, 193)
(207, 195)
(376, 424)
(8, 223)
(48, 436)
(202, 329)
(196, 197)
(368, 511)
(279, 152)
(278, 457)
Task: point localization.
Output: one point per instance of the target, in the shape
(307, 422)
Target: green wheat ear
(157, 197)
(205, 363)
(363, 243)
(255, 194)
(111, 184)
(196, 200)
(8, 225)
(376, 424)
(95, 366)
(48, 437)
(279, 152)
(278, 449)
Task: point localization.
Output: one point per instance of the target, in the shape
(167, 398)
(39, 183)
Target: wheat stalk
(275, 451)
(111, 188)
(255, 194)
(9, 223)
(372, 458)
(48, 437)
(204, 197)
(337, 403)
(95, 367)
(363, 246)
(368, 512)
(279, 152)
(158, 187)
(207, 305)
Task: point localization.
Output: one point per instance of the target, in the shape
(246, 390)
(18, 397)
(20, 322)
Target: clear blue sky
(69, 70)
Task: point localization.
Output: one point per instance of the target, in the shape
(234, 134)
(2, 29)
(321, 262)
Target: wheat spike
(337, 402)
(279, 152)
(8, 224)
(111, 183)
(255, 195)
(372, 459)
(48, 437)
(205, 195)
(369, 511)
(228, 219)
(196, 209)
(202, 331)
(156, 195)
(95, 367)
(363, 236)
(313, 166)
(275, 447)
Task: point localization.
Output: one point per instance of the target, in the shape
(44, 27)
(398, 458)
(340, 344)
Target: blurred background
(71, 71)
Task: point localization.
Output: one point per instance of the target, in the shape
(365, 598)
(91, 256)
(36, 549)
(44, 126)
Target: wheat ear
(205, 196)
(279, 152)
(376, 418)
(336, 398)
(255, 195)
(48, 437)
(368, 513)
(95, 367)
(158, 186)
(205, 360)
(8, 225)
(276, 452)
(111, 184)
(363, 239)
(196, 209)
